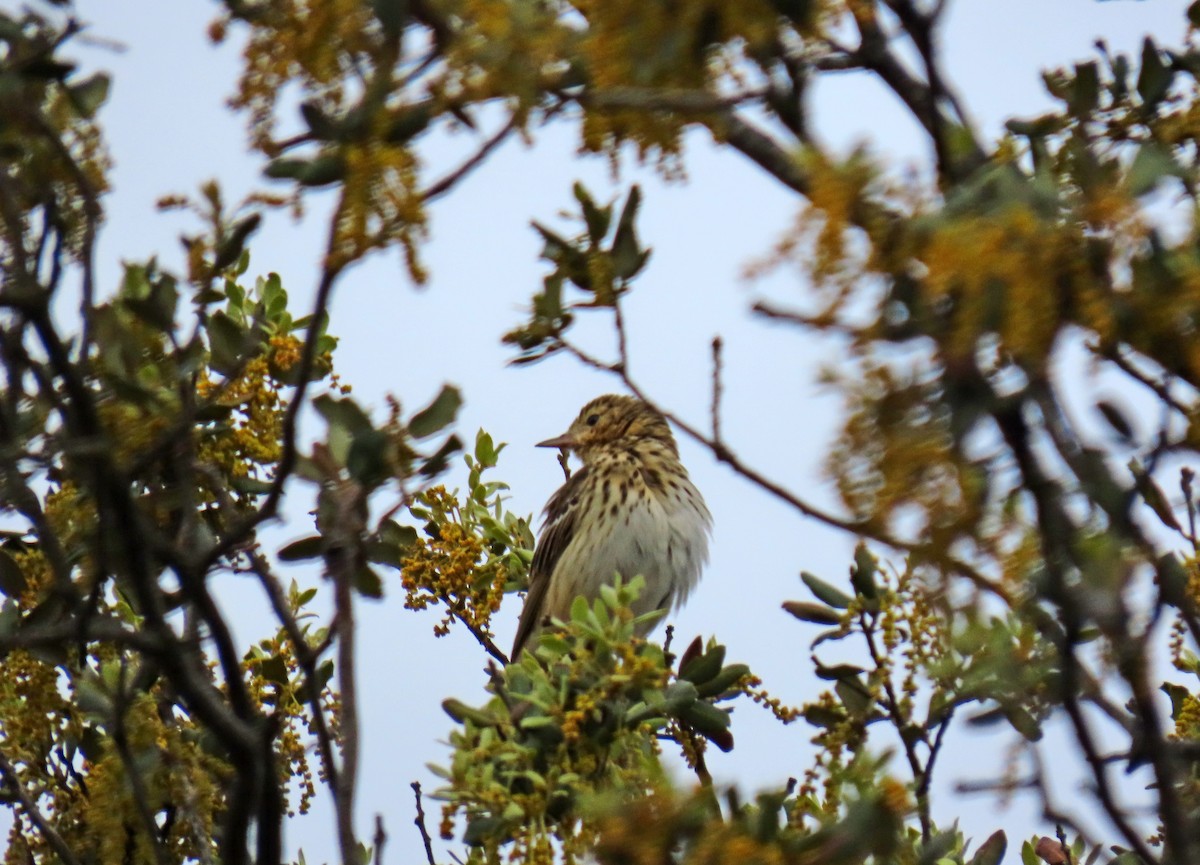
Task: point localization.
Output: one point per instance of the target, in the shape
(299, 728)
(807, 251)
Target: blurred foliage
(580, 715)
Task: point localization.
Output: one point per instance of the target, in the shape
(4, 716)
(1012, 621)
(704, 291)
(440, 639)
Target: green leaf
(409, 121)
(596, 218)
(704, 717)
(480, 829)
(397, 535)
(485, 450)
(1127, 857)
(838, 672)
(383, 553)
(441, 458)
(991, 852)
(250, 486)
(367, 460)
(627, 255)
(1029, 856)
(1085, 91)
(284, 169)
(344, 413)
(305, 548)
(938, 847)
(816, 613)
(226, 342)
(1024, 723)
(438, 414)
(824, 592)
(987, 718)
(461, 713)
(12, 578)
(702, 668)
(854, 696)
(231, 248)
(320, 124)
(88, 95)
(1193, 13)
(862, 574)
(274, 669)
(723, 681)
(1178, 695)
(392, 14)
(823, 716)
(1151, 165)
(1038, 127)
(368, 582)
(1154, 79)
(92, 697)
(321, 171)
(272, 295)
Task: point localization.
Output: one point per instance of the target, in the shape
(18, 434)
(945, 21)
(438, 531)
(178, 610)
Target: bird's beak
(562, 441)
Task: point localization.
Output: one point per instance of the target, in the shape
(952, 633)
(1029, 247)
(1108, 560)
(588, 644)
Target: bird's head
(613, 421)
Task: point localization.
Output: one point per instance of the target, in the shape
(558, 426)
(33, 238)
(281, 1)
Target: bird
(630, 510)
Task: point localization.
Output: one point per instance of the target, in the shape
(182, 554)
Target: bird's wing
(557, 532)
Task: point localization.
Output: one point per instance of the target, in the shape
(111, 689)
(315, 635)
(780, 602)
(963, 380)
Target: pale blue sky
(169, 131)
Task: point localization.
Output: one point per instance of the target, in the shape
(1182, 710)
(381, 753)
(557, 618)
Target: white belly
(663, 540)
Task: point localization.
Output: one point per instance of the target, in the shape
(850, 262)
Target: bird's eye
(593, 419)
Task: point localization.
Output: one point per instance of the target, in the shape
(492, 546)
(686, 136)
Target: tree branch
(56, 841)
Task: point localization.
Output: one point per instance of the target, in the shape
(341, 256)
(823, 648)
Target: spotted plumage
(630, 510)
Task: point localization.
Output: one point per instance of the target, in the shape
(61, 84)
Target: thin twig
(1050, 809)
(419, 822)
(716, 389)
(1118, 357)
(484, 640)
(891, 702)
(444, 185)
(379, 840)
(680, 100)
(341, 573)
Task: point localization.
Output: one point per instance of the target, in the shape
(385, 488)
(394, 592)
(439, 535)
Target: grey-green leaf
(438, 414)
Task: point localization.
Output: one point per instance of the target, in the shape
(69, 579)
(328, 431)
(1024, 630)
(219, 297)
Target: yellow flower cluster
(285, 352)
(173, 768)
(751, 686)
(450, 569)
(1008, 273)
(894, 451)
(252, 437)
(381, 204)
(308, 41)
(663, 47)
(286, 694)
(505, 48)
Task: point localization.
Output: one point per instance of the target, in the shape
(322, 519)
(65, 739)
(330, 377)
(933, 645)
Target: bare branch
(441, 187)
(419, 822)
(716, 389)
(658, 99)
(379, 840)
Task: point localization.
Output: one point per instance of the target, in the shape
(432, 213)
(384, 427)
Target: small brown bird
(630, 510)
